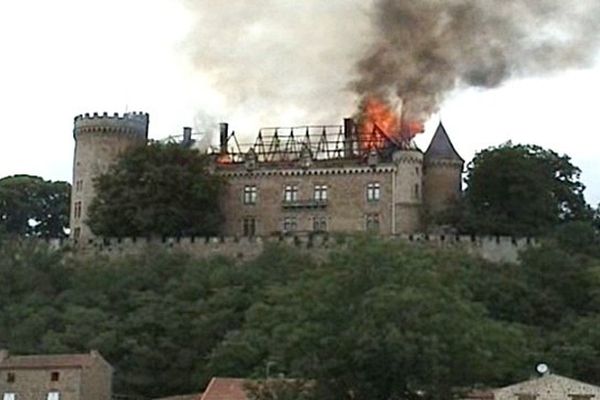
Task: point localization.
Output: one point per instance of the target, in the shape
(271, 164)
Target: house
(55, 377)
(546, 387)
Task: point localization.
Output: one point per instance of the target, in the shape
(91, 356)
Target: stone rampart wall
(491, 248)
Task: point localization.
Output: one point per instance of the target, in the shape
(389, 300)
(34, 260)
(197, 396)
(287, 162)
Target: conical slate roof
(441, 147)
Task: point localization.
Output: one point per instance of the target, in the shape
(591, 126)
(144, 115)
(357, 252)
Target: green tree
(521, 190)
(159, 189)
(31, 206)
(280, 389)
(376, 321)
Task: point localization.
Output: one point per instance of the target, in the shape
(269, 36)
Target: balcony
(304, 204)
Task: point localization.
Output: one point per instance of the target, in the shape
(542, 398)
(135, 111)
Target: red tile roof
(225, 389)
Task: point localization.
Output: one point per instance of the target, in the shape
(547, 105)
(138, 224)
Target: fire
(377, 113)
(224, 159)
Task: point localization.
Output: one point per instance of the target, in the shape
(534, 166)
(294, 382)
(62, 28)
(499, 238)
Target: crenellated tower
(443, 168)
(99, 140)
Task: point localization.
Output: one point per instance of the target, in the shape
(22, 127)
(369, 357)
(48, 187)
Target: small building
(546, 387)
(55, 377)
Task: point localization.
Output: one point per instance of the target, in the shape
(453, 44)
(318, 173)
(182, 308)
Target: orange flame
(375, 112)
(224, 159)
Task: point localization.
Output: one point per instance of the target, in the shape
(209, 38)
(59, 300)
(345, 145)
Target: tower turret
(99, 140)
(407, 189)
(443, 172)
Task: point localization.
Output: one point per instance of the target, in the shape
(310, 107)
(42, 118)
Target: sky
(196, 63)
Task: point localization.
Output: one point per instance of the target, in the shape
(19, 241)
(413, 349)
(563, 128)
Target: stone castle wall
(491, 248)
(344, 209)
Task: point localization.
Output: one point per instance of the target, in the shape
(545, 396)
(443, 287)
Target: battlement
(408, 156)
(132, 123)
(491, 248)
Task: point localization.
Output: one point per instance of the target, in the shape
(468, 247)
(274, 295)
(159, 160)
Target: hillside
(374, 317)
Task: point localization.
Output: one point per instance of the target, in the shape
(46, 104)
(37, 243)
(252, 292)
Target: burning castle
(364, 175)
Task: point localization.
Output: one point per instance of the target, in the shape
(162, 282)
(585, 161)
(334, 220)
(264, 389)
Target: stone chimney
(223, 137)
(349, 137)
(187, 136)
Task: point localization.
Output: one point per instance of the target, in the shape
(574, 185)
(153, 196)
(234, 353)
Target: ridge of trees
(33, 207)
(375, 319)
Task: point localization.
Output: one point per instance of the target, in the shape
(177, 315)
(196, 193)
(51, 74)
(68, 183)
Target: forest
(375, 319)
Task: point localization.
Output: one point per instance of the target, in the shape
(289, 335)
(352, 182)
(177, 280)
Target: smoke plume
(424, 49)
(279, 62)
(276, 61)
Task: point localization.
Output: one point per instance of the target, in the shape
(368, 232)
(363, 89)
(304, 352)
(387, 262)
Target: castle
(292, 180)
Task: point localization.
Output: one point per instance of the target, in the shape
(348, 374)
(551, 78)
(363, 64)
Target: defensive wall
(490, 248)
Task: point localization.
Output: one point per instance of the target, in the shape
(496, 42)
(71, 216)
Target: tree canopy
(32, 206)
(159, 189)
(521, 190)
(375, 318)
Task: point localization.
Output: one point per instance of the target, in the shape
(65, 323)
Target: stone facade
(55, 377)
(256, 202)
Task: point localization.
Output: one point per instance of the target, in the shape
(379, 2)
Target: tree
(376, 321)
(521, 190)
(159, 189)
(280, 389)
(31, 206)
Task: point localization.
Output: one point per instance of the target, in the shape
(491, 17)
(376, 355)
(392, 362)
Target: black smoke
(424, 49)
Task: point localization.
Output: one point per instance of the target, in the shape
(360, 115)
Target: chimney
(223, 137)
(349, 137)
(187, 136)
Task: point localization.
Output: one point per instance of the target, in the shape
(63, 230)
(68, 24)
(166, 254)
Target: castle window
(417, 191)
(249, 226)
(10, 377)
(372, 223)
(320, 224)
(8, 396)
(290, 193)
(250, 194)
(54, 376)
(289, 224)
(76, 233)
(320, 193)
(373, 191)
(77, 210)
(53, 395)
(79, 185)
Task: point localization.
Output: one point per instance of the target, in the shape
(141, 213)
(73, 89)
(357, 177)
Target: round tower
(99, 140)
(443, 173)
(407, 189)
